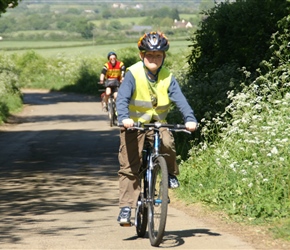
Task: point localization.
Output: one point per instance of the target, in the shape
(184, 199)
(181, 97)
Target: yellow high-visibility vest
(140, 107)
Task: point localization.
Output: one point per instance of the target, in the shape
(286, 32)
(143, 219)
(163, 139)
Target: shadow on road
(53, 97)
(176, 238)
(47, 172)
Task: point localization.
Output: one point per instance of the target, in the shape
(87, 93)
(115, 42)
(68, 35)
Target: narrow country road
(59, 183)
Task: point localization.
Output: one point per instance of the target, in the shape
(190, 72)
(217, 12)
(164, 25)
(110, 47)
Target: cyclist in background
(113, 72)
(145, 96)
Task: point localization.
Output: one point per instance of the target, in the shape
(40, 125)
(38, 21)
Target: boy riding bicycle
(113, 72)
(145, 96)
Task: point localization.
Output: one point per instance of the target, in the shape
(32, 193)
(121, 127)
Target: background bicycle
(109, 105)
(112, 112)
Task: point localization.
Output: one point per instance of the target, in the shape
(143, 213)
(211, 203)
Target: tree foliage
(239, 32)
(232, 36)
(4, 4)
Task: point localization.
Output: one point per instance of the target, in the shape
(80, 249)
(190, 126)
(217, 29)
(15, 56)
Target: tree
(4, 4)
(206, 5)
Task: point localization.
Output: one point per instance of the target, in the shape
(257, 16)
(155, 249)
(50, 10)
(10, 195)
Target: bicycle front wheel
(157, 207)
(115, 118)
(142, 211)
(111, 112)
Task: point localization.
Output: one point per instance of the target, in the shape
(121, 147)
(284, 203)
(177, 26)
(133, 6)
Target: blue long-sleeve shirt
(175, 94)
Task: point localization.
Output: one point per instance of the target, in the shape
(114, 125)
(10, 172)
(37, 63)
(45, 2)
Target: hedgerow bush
(232, 41)
(10, 95)
(246, 172)
(62, 72)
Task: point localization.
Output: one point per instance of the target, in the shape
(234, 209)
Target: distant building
(119, 6)
(138, 6)
(125, 6)
(89, 11)
(181, 24)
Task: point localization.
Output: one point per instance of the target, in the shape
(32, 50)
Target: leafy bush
(246, 171)
(32, 68)
(60, 73)
(87, 78)
(10, 95)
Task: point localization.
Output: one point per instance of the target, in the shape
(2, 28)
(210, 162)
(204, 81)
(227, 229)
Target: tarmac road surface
(59, 183)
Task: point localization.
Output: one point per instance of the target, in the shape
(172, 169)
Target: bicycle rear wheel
(157, 208)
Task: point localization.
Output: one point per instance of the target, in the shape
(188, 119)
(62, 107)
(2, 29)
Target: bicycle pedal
(158, 201)
(126, 224)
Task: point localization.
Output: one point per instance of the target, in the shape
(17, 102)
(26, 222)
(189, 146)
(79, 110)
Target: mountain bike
(153, 200)
(111, 105)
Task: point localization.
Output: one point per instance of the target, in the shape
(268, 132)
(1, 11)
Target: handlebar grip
(180, 126)
(136, 124)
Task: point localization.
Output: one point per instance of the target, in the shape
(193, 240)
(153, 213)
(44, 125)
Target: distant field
(187, 16)
(137, 20)
(100, 50)
(123, 21)
(38, 44)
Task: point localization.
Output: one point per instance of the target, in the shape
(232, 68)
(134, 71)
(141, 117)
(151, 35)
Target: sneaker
(124, 217)
(172, 181)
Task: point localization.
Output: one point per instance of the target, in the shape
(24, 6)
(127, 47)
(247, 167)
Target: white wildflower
(243, 171)
(274, 151)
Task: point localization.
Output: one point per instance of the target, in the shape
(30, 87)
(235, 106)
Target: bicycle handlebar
(157, 125)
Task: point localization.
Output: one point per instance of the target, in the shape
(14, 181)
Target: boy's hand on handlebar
(127, 123)
(191, 126)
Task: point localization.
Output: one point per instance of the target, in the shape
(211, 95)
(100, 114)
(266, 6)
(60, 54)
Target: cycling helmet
(111, 53)
(153, 41)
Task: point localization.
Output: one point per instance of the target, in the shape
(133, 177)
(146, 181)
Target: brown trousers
(130, 157)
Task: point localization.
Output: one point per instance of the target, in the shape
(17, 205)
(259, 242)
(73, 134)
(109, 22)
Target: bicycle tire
(142, 212)
(111, 111)
(157, 208)
(115, 119)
